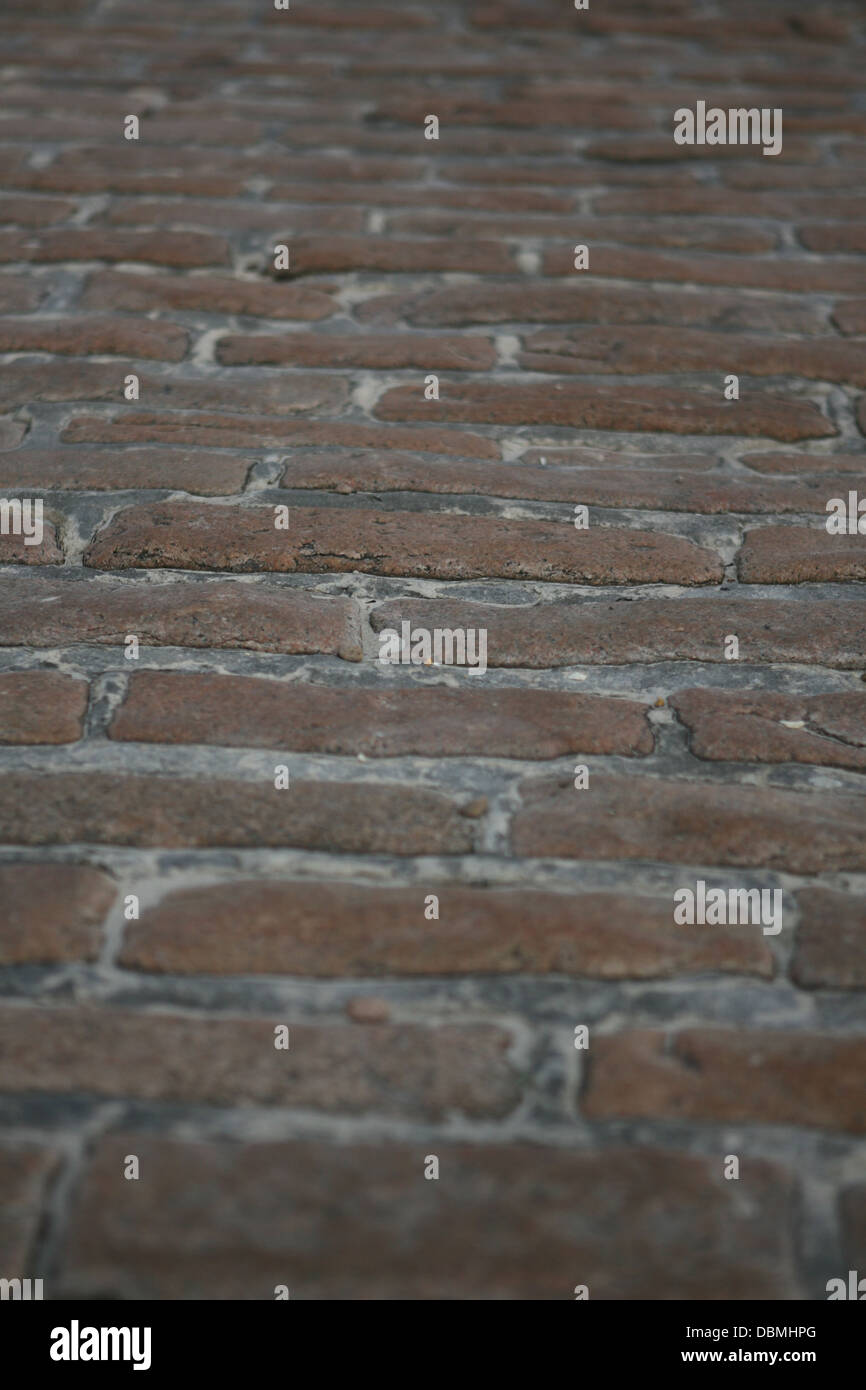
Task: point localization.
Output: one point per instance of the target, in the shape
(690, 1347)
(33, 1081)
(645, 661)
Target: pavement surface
(328, 330)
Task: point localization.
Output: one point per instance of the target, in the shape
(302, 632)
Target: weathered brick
(765, 726)
(180, 707)
(730, 1077)
(173, 813)
(405, 1069)
(550, 302)
(675, 486)
(340, 929)
(52, 912)
(218, 294)
(722, 202)
(680, 350)
(767, 273)
(25, 1174)
(658, 231)
(312, 255)
(246, 431)
(800, 555)
(382, 351)
(218, 613)
(34, 212)
(815, 464)
(15, 550)
(684, 822)
(17, 295)
(179, 249)
(104, 470)
(41, 707)
(185, 535)
(849, 316)
(513, 1221)
(271, 217)
(830, 950)
(606, 632)
(99, 337)
(831, 238)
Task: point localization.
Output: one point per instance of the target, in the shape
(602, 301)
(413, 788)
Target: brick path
(410, 1035)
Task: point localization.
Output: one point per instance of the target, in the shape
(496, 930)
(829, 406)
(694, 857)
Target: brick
(769, 273)
(831, 238)
(14, 550)
(799, 555)
(179, 249)
(11, 432)
(41, 707)
(615, 632)
(646, 1223)
(681, 822)
(830, 950)
(101, 337)
(184, 613)
(25, 1175)
(451, 353)
(325, 930)
(34, 212)
(17, 296)
(52, 913)
(849, 316)
(729, 1077)
(721, 202)
(677, 350)
(186, 535)
(402, 196)
(24, 382)
(218, 294)
(104, 470)
(248, 431)
(658, 231)
(663, 409)
(312, 255)
(242, 216)
(548, 302)
(814, 464)
(676, 486)
(404, 1069)
(237, 711)
(174, 813)
(751, 726)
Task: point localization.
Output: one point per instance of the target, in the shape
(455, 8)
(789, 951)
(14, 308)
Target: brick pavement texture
(288, 367)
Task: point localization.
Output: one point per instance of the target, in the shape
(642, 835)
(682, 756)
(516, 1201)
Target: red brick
(181, 707)
(328, 930)
(849, 316)
(815, 464)
(100, 337)
(17, 296)
(614, 632)
(684, 822)
(41, 707)
(768, 273)
(676, 350)
(751, 726)
(179, 249)
(721, 202)
(830, 950)
(14, 550)
(241, 216)
(174, 813)
(25, 1174)
(218, 613)
(676, 486)
(451, 353)
(186, 535)
(730, 1077)
(362, 195)
(104, 470)
(218, 294)
(664, 409)
(33, 212)
(404, 1069)
(52, 912)
(248, 431)
(673, 231)
(547, 302)
(311, 255)
(799, 555)
(831, 238)
(506, 1222)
